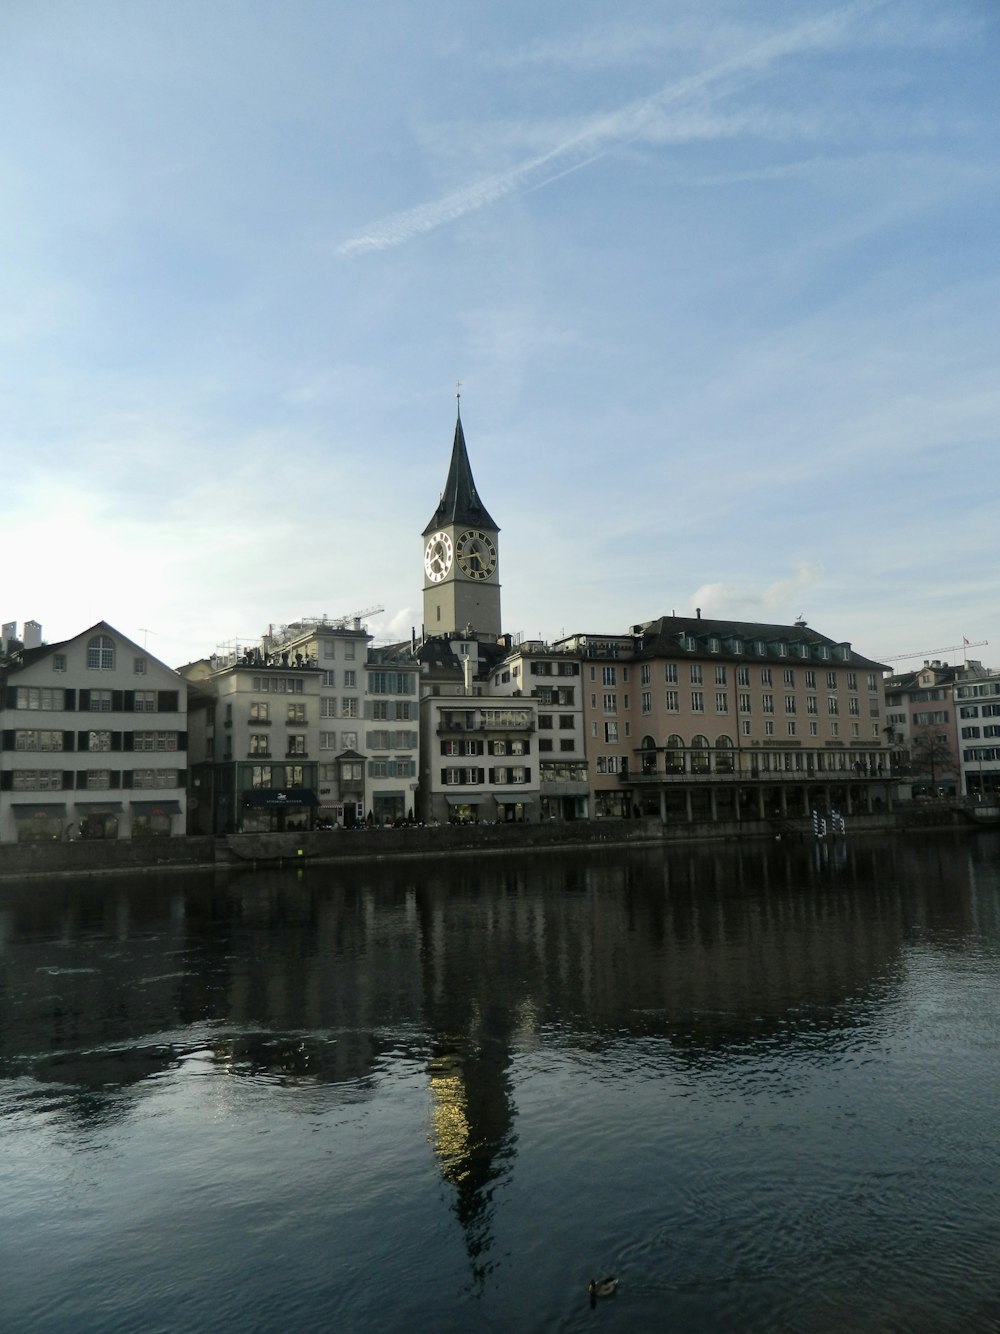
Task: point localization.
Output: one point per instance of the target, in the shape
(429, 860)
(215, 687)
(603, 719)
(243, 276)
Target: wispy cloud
(600, 133)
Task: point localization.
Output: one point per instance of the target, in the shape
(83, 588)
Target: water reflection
(642, 967)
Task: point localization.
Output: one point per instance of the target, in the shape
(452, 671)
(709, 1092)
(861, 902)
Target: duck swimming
(601, 1287)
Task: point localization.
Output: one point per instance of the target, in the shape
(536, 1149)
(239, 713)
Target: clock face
(437, 557)
(476, 554)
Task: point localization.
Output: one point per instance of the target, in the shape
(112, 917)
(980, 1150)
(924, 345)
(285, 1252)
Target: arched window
(673, 757)
(101, 653)
(723, 755)
(648, 747)
(700, 755)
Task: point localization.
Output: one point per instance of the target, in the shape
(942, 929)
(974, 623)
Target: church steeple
(460, 503)
(461, 556)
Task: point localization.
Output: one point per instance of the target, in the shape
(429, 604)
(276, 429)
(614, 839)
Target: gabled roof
(28, 657)
(460, 503)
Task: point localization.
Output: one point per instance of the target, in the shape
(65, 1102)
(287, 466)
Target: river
(757, 1084)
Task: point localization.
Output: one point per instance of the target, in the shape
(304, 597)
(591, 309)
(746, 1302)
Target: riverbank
(23, 861)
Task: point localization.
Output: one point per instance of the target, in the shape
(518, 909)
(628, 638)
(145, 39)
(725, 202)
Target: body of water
(758, 1084)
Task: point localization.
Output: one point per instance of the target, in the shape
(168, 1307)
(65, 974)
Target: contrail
(599, 135)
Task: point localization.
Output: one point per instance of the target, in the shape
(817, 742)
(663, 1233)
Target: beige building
(94, 741)
(695, 720)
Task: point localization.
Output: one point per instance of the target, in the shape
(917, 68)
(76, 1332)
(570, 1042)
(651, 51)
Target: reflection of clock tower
(461, 566)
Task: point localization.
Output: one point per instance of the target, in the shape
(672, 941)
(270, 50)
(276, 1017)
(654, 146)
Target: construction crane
(930, 652)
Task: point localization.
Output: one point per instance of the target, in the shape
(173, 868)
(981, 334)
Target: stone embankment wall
(21, 861)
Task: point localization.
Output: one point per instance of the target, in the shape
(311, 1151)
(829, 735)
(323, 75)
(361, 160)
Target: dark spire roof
(460, 503)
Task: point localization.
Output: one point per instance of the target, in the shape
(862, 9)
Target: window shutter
(68, 780)
(128, 739)
(166, 701)
(69, 740)
(128, 702)
(182, 740)
(126, 778)
(83, 740)
(81, 779)
(6, 780)
(9, 741)
(117, 701)
(116, 740)
(116, 778)
(69, 701)
(84, 700)
(182, 778)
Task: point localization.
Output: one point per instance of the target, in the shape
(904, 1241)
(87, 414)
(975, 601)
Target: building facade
(94, 741)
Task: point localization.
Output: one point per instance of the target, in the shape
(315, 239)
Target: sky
(719, 282)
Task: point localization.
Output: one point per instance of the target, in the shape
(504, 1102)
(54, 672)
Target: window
(328, 678)
(646, 701)
(744, 702)
(611, 733)
(566, 721)
(328, 740)
(350, 679)
(545, 721)
(788, 676)
(328, 707)
(260, 775)
(296, 744)
(42, 698)
(832, 707)
(566, 743)
(139, 666)
(721, 702)
(854, 707)
(831, 680)
(349, 740)
(769, 728)
(101, 654)
(59, 662)
(810, 680)
(789, 703)
(745, 725)
(670, 672)
(812, 704)
(767, 703)
(98, 779)
(260, 744)
(153, 741)
(609, 676)
(260, 713)
(720, 675)
(296, 713)
(852, 680)
(644, 671)
(765, 676)
(98, 740)
(791, 727)
(145, 701)
(293, 774)
(610, 703)
(349, 655)
(697, 701)
(673, 701)
(100, 701)
(813, 729)
(152, 778)
(37, 780)
(696, 673)
(35, 739)
(742, 676)
(348, 707)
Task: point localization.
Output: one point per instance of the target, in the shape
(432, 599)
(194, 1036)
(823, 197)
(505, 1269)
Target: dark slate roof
(460, 503)
(663, 638)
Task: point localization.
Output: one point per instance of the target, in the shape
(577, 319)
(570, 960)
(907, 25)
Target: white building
(94, 741)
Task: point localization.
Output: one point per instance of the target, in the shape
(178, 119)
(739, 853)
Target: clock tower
(461, 561)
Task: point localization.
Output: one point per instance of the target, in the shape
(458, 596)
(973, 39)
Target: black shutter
(6, 780)
(83, 740)
(69, 741)
(116, 740)
(126, 778)
(182, 778)
(81, 779)
(166, 701)
(69, 701)
(182, 740)
(68, 780)
(12, 697)
(84, 701)
(128, 740)
(128, 703)
(116, 778)
(117, 701)
(9, 740)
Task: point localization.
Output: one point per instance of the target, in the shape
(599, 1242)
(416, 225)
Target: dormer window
(713, 646)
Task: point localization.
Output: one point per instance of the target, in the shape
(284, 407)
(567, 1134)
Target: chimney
(697, 612)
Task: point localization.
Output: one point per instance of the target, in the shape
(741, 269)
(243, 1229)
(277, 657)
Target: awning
(156, 807)
(513, 801)
(463, 801)
(290, 796)
(24, 810)
(98, 807)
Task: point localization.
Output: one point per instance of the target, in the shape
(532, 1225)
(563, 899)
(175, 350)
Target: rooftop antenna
(145, 632)
(458, 395)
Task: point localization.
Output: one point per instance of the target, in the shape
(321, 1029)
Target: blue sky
(720, 282)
